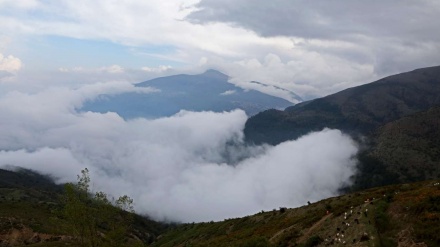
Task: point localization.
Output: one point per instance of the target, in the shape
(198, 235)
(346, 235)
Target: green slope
(400, 214)
(32, 214)
(386, 216)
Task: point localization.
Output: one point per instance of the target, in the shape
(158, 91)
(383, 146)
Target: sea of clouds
(193, 166)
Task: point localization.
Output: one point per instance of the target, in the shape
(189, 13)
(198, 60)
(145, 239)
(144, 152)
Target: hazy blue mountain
(209, 91)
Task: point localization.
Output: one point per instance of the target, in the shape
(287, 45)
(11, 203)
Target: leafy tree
(94, 219)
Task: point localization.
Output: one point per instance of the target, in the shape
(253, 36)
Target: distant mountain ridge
(356, 110)
(209, 91)
(396, 119)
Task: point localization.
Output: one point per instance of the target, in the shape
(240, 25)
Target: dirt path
(307, 234)
(279, 233)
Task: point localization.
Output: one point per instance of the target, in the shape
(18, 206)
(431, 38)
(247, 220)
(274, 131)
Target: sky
(313, 48)
(194, 166)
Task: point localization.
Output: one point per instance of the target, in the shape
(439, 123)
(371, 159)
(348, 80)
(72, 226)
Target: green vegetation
(376, 217)
(95, 220)
(36, 212)
(397, 116)
(386, 216)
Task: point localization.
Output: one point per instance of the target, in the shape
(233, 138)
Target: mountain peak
(215, 73)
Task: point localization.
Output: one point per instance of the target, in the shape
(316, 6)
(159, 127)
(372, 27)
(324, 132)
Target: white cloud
(158, 22)
(336, 44)
(10, 63)
(159, 69)
(22, 4)
(114, 69)
(228, 92)
(175, 168)
(309, 74)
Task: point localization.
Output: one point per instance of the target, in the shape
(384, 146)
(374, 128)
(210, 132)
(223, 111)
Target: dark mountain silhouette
(357, 110)
(405, 150)
(395, 119)
(209, 91)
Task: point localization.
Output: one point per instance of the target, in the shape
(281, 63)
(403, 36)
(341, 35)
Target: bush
(313, 241)
(256, 242)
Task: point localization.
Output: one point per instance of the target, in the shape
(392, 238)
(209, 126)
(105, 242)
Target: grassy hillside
(400, 214)
(405, 150)
(411, 146)
(32, 214)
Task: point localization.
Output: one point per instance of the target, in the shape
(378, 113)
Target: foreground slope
(403, 215)
(399, 215)
(31, 214)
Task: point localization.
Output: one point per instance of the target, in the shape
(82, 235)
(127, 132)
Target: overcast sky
(310, 47)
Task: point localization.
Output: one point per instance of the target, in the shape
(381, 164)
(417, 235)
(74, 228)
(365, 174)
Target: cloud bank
(192, 166)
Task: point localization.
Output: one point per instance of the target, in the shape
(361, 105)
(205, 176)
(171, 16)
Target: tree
(94, 219)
